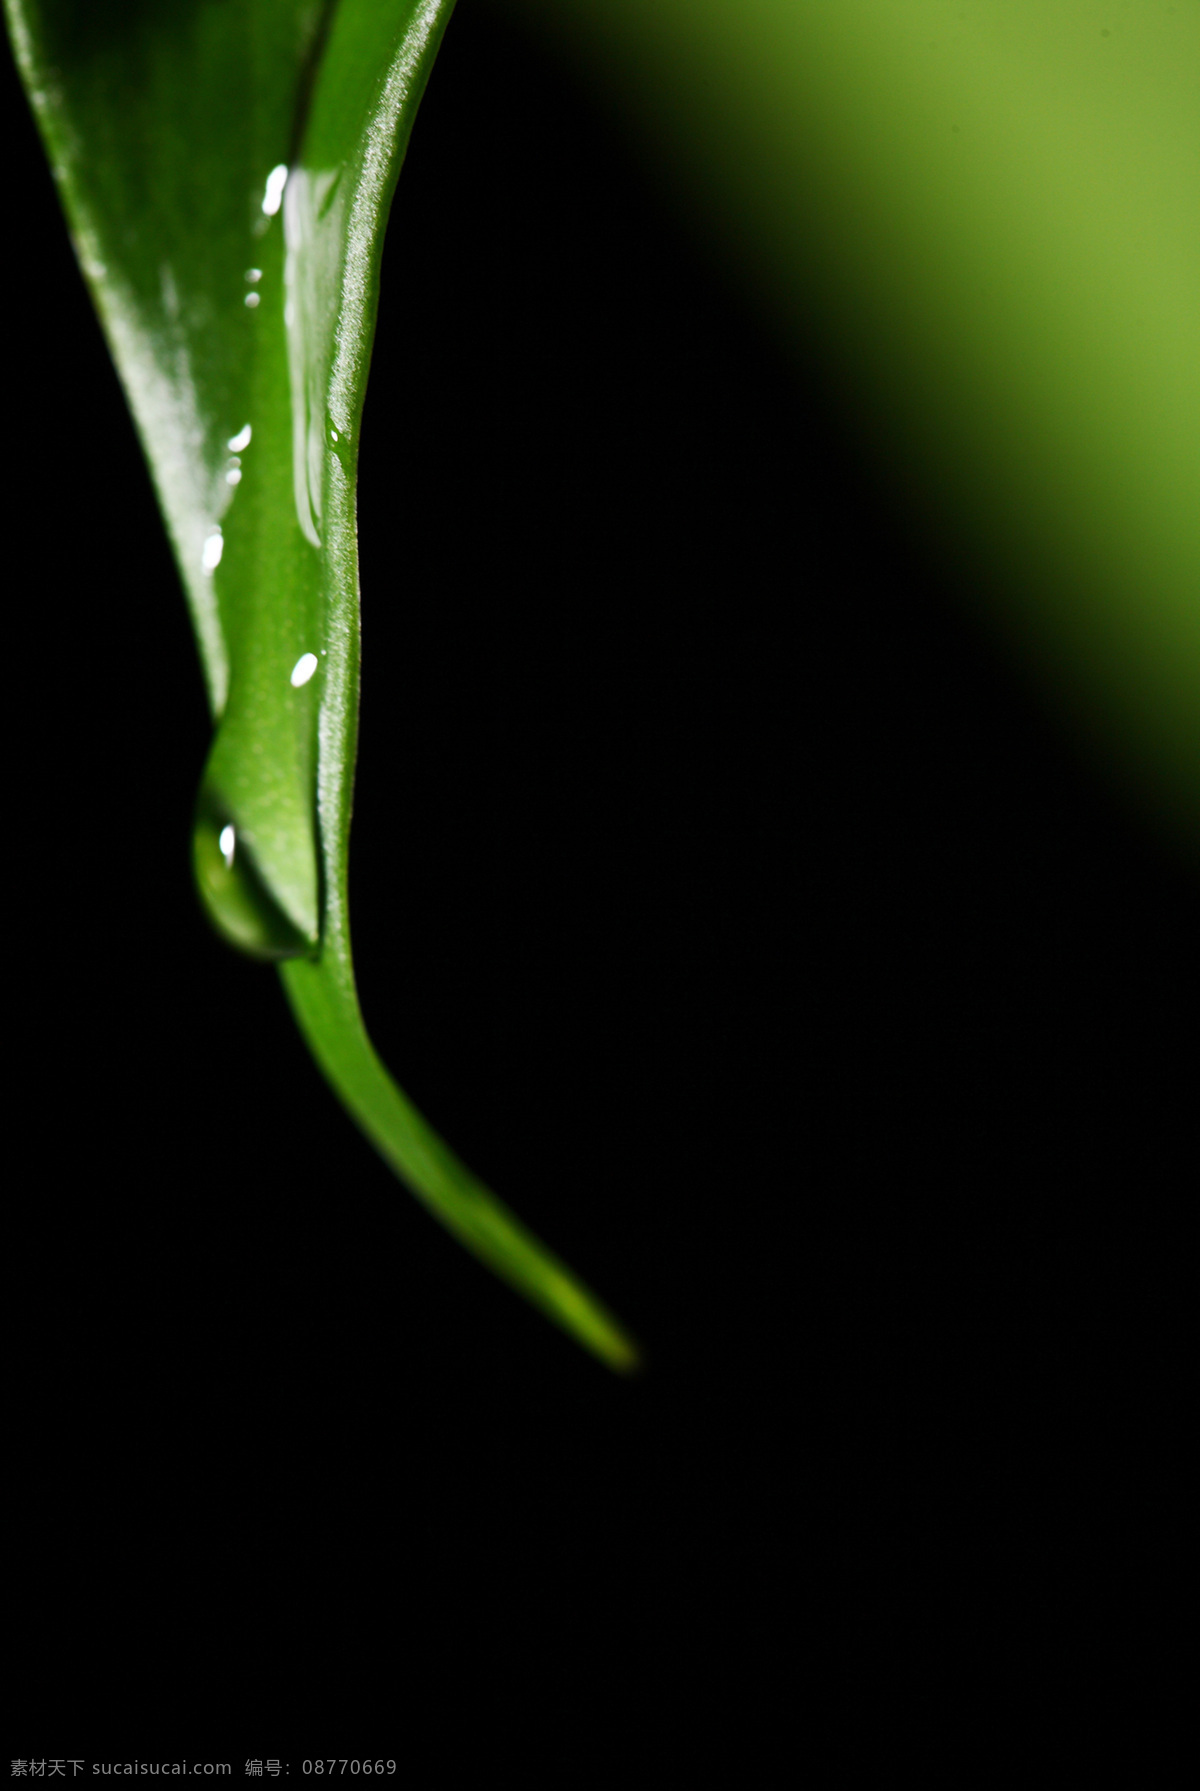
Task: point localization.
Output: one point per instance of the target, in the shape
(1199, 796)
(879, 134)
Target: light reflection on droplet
(303, 669)
(273, 197)
(253, 276)
(234, 476)
(237, 444)
(251, 301)
(227, 840)
(214, 547)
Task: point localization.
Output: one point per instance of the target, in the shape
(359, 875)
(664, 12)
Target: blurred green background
(982, 218)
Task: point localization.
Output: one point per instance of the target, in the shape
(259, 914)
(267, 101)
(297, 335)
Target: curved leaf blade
(325, 1005)
(227, 172)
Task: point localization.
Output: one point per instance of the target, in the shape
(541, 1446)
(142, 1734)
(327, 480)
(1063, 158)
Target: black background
(722, 895)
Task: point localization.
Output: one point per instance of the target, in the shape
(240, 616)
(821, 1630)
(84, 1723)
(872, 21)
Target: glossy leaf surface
(227, 171)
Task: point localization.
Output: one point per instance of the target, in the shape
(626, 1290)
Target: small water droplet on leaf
(273, 197)
(235, 898)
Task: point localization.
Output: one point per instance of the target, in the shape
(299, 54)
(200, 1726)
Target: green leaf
(981, 218)
(227, 171)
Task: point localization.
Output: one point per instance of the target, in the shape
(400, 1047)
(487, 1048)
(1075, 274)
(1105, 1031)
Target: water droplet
(235, 898)
(237, 444)
(303, 669)
(253, 276)
(337, 437)
(273, 197)
(251, 301)
(234, 476)
(214, 547)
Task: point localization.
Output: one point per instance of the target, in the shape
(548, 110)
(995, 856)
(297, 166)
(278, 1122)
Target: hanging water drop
(236, 899)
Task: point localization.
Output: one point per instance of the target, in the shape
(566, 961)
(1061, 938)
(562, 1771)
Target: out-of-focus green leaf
(227, 167)
(983, 217)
